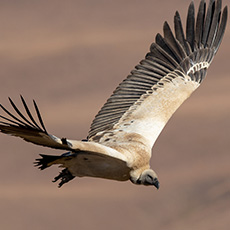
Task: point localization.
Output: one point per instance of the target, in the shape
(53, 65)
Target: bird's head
(147, 177)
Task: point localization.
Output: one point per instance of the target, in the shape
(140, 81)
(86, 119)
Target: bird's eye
(149, 178)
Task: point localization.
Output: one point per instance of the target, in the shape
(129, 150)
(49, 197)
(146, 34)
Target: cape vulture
(121, 136)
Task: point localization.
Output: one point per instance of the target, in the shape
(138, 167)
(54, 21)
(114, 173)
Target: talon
(65, 176)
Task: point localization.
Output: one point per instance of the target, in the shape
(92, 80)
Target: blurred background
(69, 56)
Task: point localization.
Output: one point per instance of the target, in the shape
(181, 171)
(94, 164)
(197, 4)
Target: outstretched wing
(170, 72)
(26, 127)
(33, 130)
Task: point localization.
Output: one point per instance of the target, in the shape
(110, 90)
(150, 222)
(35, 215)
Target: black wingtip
(29, 113)
(39, 116)
(190, 24)
(25, 120)
(177, 14)
(221, 30)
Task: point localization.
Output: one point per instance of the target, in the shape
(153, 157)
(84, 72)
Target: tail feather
(48, 160)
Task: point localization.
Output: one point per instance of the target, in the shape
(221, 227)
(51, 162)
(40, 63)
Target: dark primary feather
(168, 54)
(215, 23)
(22, 121)
(190, 24)
(200, 23)
(17, 124)
(208, 22)
(221, 30)
(174, 44)
(180, 33)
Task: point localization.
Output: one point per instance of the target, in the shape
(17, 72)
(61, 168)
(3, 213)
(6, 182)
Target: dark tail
(47, 160)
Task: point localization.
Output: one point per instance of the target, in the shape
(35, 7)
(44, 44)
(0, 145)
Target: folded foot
(65, 176)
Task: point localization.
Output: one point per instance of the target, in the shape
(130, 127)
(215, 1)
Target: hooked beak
(156, 183)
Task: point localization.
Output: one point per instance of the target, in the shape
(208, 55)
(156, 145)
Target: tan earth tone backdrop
(70, 56)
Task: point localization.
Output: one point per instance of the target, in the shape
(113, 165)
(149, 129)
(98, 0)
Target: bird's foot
(65, 176)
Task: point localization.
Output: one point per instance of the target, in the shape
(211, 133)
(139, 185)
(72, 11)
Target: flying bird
(121, 136)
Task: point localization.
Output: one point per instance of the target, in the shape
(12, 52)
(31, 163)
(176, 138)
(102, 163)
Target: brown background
(70, 56)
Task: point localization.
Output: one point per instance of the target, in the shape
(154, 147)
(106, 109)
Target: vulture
(122, 134)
